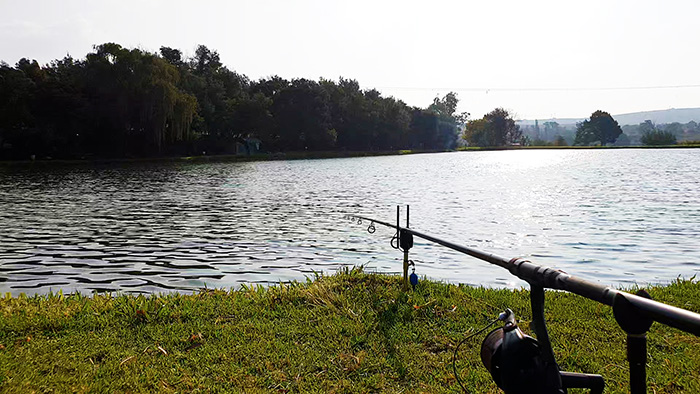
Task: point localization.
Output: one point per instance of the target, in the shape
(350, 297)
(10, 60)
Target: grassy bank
(351, 332)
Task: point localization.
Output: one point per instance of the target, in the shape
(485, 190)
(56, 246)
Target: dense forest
(119, 102)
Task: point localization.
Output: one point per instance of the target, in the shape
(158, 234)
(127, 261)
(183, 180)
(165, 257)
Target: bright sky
(538, 58)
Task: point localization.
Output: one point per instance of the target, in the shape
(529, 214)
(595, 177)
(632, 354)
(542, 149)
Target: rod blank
(555, 279)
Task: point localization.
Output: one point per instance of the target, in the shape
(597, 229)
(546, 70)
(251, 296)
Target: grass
(350, 332)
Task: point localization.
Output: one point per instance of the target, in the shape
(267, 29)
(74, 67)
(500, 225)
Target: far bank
(310, 155)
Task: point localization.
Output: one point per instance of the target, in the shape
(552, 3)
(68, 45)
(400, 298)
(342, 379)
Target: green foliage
(552, 128)
(652, 135)
(682, 132)
(302, 115)
(601, 128)
(560, 141)
(476, 133)
(497, 128)
(539, 142)
(658, 137)
(351, 332)
(447, 120)
(623, 140)
(17, 91)
(121, 102)
(446, 106)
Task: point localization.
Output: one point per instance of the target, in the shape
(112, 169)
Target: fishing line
(454, 355)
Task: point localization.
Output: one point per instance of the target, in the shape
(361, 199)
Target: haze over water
(617, 217)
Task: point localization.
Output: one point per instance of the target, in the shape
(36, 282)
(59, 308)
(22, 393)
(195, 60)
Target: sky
(538, 59)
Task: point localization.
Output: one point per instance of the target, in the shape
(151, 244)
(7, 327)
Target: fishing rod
(535, 369)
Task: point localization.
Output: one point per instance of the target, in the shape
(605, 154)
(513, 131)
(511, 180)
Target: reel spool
(516, 361)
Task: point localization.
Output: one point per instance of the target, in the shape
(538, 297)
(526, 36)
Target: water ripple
(618, 217)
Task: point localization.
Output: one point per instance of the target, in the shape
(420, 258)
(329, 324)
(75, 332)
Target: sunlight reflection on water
(615, 216)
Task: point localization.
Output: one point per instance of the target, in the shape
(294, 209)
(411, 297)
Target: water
(617, 217)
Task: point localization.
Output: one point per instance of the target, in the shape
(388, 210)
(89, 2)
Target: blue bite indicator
(413, 278)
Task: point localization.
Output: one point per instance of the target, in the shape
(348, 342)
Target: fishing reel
(516, 361)
(519, 364)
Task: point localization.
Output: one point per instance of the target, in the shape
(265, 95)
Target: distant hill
(680, 115)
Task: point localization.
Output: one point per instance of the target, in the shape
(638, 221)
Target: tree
(551, 129)
(448, 120)
(129, 102)
(17, 118)
(497, 128)
(219, 92)
(476, 133)
(303, 119)
(136, 104)
(388, 121)
(253, 117)
(658, 137)
(349, 114)
(623, 140)
(446, 106)
(560, 141)
(205, 60)
(173, 56)
(647, 126)
(424, 129)
(601, 128)
(674, 128)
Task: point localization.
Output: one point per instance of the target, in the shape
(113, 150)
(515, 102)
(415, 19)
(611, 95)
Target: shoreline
(303, 155)
(310, 155)
(478, 148)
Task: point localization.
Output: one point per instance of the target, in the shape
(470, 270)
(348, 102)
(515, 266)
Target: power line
(568, 89)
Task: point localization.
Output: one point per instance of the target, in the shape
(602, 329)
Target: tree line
(602, 129)
(650, 133)
(120, 102)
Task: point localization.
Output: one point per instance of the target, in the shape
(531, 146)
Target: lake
(617, 217)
